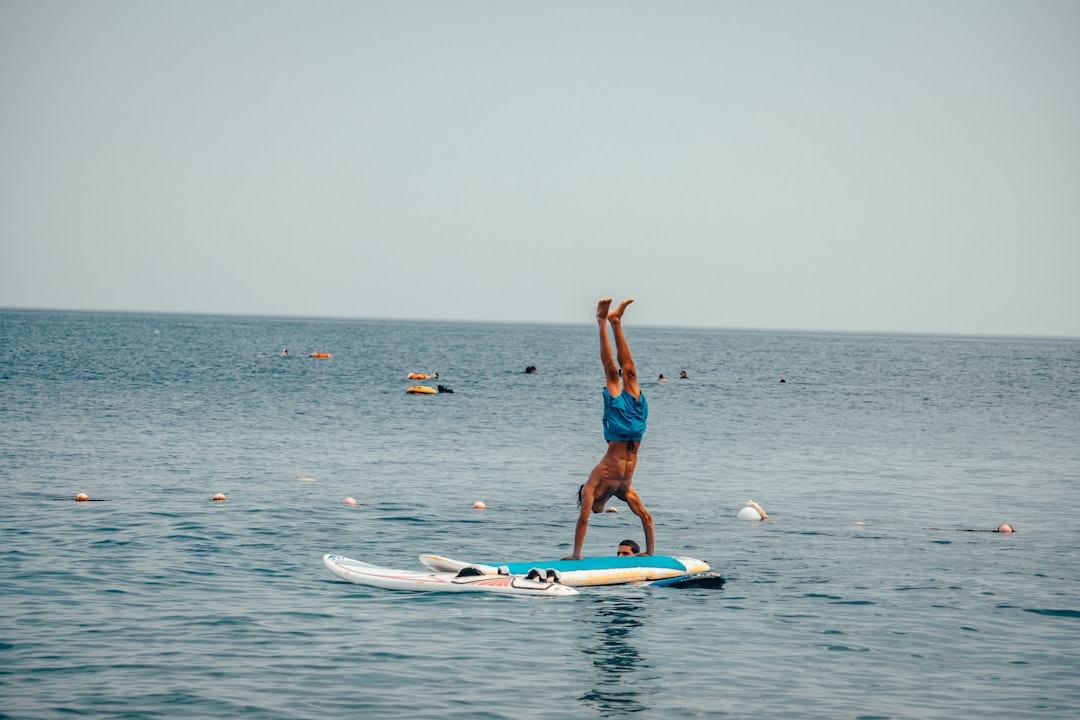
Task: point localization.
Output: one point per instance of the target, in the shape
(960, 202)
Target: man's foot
(602, 310)
(616, 315)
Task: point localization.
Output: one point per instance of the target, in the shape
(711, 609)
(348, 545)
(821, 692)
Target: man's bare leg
(626, 360)
(607, 358)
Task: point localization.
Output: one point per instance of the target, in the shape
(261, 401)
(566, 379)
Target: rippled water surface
(872, 592)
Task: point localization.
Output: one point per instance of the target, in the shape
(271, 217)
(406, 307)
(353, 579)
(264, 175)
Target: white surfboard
(362, 573)
(591, 571)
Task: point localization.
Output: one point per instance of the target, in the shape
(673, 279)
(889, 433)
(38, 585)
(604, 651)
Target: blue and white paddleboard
(488, 580)
(590, 571)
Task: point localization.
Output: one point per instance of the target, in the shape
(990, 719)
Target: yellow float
(421, 390)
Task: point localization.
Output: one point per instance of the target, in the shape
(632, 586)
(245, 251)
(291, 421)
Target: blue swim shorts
(624, 417)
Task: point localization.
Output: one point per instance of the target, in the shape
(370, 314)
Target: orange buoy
(479, 505)
(320, 355)
(218, 497)
(418, 376)
(82, 497)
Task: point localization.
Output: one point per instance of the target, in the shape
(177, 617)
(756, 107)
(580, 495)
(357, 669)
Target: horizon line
(552, 323)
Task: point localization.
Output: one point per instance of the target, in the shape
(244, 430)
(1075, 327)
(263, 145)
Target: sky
(854, 166)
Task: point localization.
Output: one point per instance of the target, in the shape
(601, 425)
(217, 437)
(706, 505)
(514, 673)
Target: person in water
(625, 413)
(628, 547)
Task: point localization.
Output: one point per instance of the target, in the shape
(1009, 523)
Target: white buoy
(479, 505)
(752, 511)
(349, 501)
(749, 514)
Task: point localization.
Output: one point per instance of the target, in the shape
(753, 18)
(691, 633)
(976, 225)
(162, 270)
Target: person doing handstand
(625, 412)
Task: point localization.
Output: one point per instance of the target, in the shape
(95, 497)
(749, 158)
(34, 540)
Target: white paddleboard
(364, 573)
(589, 571)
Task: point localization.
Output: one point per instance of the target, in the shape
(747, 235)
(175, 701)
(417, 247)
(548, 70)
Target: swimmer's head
(1005, 528)
(628, 547)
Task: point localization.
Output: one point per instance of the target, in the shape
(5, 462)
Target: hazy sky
(865, 166)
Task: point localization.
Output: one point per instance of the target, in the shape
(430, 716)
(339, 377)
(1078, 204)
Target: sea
(877, 588)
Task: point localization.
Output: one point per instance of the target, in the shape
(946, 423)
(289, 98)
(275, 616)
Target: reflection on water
(619, 687)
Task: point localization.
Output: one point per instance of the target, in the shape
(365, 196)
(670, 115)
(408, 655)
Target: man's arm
(587, 497)
(638, 507)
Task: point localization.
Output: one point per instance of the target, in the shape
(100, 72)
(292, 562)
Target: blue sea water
(864, 595)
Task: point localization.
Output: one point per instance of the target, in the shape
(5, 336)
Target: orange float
(320, 355)
(418, 376)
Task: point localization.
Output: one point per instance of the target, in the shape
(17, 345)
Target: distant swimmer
(782, 379)
(662, 378)
(443, 389)
(684, 376)
(285, 352)
(531, 370)
(625, 413)
(628, 547)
